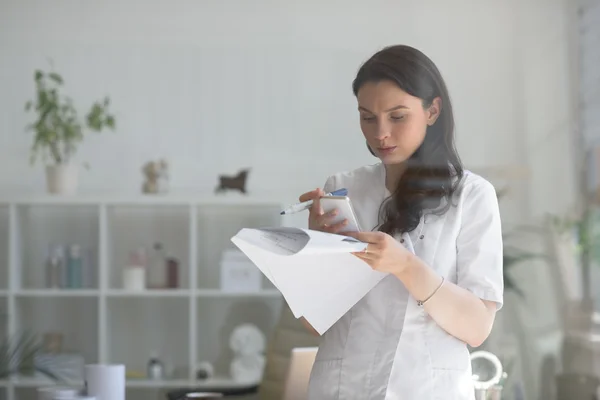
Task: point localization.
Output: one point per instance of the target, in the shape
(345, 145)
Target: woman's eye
(368, 119)
(397, 117)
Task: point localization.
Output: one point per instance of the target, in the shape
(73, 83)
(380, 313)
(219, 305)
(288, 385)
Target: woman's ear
(434, 110)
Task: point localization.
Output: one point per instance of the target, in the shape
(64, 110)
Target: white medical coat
(387, 347)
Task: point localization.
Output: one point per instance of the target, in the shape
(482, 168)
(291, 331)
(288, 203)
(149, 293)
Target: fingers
(312, 195)
(324, 222)
(368, 237)
(335, 228)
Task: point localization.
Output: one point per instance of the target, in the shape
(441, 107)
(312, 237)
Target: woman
(435, 230)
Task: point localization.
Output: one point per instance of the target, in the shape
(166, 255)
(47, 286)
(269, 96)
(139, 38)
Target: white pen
(298, 207)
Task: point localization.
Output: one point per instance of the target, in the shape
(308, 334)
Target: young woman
(434, 227)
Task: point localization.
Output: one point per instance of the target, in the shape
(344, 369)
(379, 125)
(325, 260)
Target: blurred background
(195, 119)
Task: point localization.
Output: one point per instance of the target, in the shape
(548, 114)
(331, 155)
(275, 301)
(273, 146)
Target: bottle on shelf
(172, 273)
(134, 274)
(74, 267)
(157, 268)
(55, 265)
(155, 368)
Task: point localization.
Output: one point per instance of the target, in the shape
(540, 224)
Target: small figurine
(248, 345)
(156, 175)
(237, 182)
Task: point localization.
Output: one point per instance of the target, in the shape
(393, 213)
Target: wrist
(418, 278)
(409, 267)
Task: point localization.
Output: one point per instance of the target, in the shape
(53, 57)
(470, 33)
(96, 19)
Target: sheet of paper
(316, 272)
(322, 316)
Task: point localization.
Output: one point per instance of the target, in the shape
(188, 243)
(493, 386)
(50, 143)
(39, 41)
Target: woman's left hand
(383, 252)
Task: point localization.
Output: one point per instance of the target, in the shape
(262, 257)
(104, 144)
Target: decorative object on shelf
(17, 357)
(156, 175)
(237, 182)
(74, 268)
(157, 268)
(105, 381)
(238, 273)
(58, 130)
(155, 368)
(68, 267)
(248, 345)
(53, 342)
(66, 365)
(172, 273)
(55, 267)
(134, 274)
(204, 370)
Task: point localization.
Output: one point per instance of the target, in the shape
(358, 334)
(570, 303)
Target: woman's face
(394, 123)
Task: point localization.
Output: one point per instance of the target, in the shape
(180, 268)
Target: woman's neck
(393, 172)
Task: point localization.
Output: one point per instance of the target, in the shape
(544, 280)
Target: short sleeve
(479, 243)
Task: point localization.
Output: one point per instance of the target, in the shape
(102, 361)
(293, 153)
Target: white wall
(273, 78)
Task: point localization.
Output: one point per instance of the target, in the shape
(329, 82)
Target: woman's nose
(382, 131)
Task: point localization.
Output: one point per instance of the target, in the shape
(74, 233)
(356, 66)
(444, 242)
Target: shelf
(216, 383)
(45, 229)
(139, 328)
(76, 321)
(216, 226)
(107, 323)
(130, 228)
(57, 293)
(141, 199)
(219, 293)
(218, 317)
(120, 293)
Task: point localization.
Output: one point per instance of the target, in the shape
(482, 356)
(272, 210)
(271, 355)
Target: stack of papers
(314, 271)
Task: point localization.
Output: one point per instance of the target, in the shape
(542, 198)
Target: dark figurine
(237, 182)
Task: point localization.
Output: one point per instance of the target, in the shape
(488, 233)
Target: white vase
(62, 179)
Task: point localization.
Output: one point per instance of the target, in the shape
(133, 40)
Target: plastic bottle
(134, 274)
(157, 268)
(55, 265)
(74, 267)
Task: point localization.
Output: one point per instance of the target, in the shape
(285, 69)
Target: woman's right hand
(317, 219)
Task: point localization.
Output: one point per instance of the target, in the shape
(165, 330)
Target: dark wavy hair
(434, 171)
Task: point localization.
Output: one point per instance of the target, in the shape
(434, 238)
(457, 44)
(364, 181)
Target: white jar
(134, 278)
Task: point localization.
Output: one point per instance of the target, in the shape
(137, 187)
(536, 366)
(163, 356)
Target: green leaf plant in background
(57, 127)
(585, 230)
(513, 256)
(17, 357)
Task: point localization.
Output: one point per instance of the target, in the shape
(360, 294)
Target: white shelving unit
(107, 324)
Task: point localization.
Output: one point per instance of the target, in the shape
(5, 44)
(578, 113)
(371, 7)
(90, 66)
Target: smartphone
(345, 211)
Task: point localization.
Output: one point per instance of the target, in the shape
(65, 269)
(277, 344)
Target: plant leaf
(56, 77)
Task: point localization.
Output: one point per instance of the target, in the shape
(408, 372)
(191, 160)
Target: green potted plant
(59, 130)
(17, 357)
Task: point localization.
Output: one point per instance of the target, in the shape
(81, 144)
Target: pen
(306, 204)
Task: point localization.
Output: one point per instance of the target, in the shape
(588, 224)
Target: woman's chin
(391, 159)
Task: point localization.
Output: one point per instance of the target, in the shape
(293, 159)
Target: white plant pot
(62, 178)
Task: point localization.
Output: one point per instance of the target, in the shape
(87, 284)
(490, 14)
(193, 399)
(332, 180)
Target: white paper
(315, 272)
(105, 382)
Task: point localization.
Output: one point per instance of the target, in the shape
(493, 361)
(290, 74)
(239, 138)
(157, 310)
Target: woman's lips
(386, 150)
